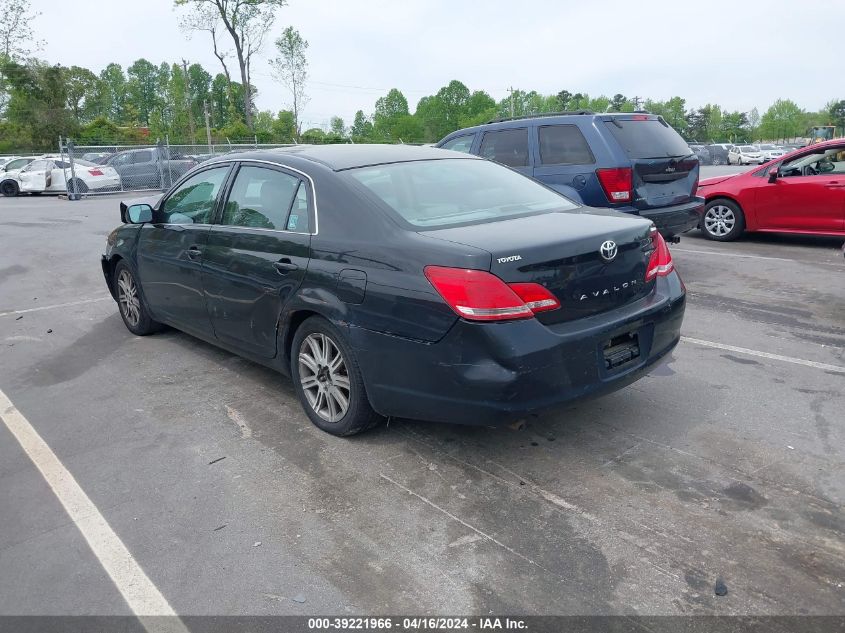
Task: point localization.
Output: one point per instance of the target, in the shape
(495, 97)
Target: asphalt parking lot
(729, 462)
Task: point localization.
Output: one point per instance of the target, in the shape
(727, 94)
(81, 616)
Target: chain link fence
(99, 169)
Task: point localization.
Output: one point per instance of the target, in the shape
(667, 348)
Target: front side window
(508, 147)
(121, 159)
(438, 193)
(460, 143)
(564, 145)
(193, 201)
(260, 198)
(821, 163)
(39, 165)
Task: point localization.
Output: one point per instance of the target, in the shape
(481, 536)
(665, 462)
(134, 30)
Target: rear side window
(260, 198)
(460, 143)
(298, 218)
(508, 147)
(142, 157)
(564, 145)
(647, 138)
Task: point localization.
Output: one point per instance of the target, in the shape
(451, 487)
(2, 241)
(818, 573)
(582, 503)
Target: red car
(802, 192)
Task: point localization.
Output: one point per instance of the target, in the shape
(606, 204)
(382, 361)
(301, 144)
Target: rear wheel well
(296, 319)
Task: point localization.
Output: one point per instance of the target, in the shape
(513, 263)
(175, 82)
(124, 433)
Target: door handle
(284, 266)
(836, 185)
(194, 253)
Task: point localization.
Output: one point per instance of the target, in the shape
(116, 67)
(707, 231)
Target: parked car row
(51, 173)
(142, 168)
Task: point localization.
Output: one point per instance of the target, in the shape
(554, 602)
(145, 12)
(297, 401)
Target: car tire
(81, 187)
(723, 220)
(136, 317)
(9, 188)
(325, 373)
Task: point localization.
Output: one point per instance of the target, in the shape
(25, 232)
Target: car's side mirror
(773, 174)
(139, 213)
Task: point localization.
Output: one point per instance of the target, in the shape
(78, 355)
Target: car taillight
(481, 296)
(95, 172)
(617, 183)
(660, 263)
(536, 297)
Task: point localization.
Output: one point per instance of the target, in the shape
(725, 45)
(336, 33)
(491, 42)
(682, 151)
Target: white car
(51, 174)
(9, 183)
(745, 154)
(770, 152)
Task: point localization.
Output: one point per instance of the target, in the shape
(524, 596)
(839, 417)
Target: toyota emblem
(608, 250)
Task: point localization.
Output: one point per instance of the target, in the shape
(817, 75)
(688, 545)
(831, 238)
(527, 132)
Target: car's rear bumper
(494, 373)
(675, 219)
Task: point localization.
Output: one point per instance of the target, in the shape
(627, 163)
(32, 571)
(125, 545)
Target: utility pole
(510, 90)
(207, 124)
(636, 101)
(188, 102)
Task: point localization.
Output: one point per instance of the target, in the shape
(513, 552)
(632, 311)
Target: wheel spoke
(310, 382)
(341, 400)
(308, 361)
(341, 381)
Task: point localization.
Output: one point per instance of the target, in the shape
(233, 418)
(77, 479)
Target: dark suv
(635, 163)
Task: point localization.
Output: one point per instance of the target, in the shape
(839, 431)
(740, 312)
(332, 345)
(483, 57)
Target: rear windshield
(648, 138)
(438, 193)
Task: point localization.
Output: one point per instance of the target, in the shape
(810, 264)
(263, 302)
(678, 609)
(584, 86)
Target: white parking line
(54, 306)
(142, 596)
(743, 256)
(753, 352)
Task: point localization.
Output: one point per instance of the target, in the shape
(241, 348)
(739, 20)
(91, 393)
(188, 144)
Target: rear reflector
(660, 263)
(481, 296)
(617, 183)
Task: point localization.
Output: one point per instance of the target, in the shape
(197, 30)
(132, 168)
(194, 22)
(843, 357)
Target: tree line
(175, 100)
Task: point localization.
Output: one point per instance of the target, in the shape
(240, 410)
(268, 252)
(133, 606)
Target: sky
(739, 54)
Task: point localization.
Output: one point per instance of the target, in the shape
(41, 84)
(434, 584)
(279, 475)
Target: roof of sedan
(348, 156)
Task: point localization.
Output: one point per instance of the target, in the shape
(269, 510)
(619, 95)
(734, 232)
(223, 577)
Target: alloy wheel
(127, 298)
(324, 377)
(719, 220)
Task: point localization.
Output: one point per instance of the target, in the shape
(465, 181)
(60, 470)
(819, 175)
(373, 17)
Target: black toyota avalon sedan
(399, 281)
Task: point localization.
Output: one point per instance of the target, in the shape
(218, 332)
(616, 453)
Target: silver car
(770, 152)
(745, 155)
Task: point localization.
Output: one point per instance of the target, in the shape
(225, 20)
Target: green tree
(37, 107)
(247, 23)
(290, 66)
(362, 128)
(835, 111)
(112, 94)
(81, 86)
(754, 123)
(563, 99)
(783, 119)
(284, 127)
(142, 88)
(337, 126)
(389, 109)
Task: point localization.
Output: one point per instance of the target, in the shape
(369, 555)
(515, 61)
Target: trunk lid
(664, 170)
(561, 251)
